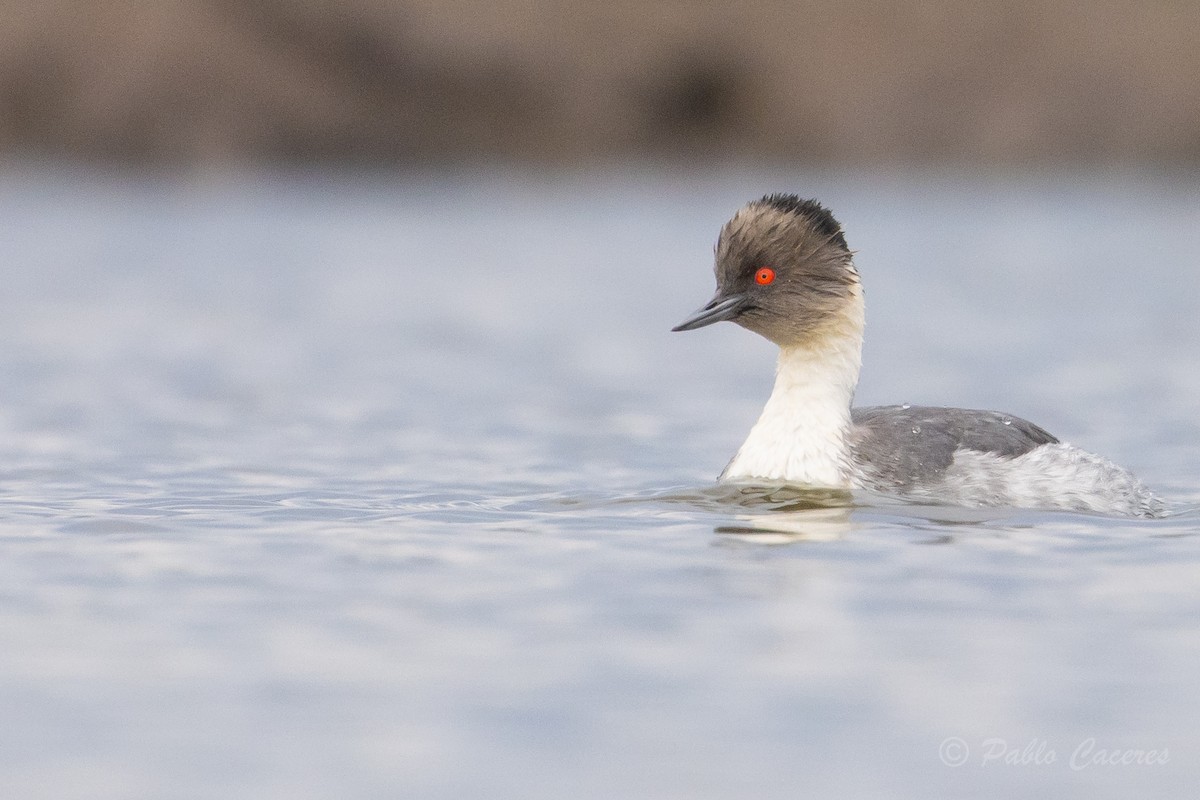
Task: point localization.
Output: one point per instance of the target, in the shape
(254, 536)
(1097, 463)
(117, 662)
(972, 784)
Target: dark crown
(816, 214)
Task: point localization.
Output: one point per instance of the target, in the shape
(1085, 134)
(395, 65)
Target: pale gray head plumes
(783, 271)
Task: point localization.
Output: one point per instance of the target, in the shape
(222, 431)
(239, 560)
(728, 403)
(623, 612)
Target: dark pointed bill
(718, 309)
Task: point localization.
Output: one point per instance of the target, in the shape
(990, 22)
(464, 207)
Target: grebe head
(783, 271)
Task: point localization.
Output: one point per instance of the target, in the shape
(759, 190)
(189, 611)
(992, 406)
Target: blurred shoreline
(427, 84)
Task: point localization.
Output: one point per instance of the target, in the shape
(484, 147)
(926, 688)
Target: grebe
(784, 272)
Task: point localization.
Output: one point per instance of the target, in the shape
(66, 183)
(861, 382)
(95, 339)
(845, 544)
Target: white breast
(801, 436)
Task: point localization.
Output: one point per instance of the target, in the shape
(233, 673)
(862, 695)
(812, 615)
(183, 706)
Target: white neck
(802, 435)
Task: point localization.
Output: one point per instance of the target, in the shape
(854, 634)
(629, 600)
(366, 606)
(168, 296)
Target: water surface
(400, 487)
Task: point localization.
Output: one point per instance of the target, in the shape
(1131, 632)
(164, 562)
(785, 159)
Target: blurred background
(202, 82)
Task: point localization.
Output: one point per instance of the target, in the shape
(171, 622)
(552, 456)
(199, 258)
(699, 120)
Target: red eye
(764, 276)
